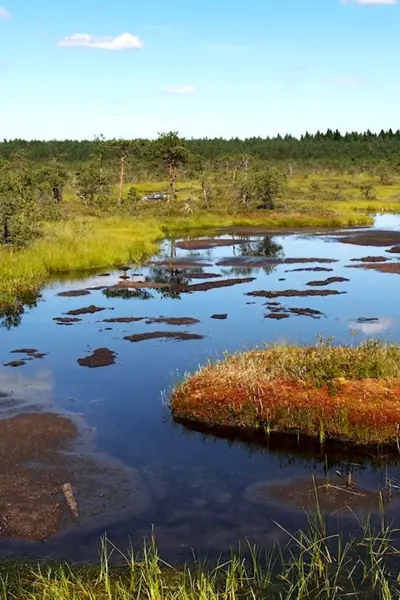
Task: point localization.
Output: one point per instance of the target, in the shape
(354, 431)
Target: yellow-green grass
(311, 564)
(338, 392)
(89, 242)
(74, 245)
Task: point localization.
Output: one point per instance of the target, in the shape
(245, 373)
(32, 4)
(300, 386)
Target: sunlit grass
(87, 240)
(325, 391)
(75, 245)
(312, 564)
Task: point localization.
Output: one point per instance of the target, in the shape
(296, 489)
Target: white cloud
(370, 2)
(125, 41)
(5, 15)
(180, 90)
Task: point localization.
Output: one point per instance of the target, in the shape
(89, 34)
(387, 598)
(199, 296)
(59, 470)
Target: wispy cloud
(370, 2)
(180, 90)
(346, 80)
(125, 41)
(5, 15)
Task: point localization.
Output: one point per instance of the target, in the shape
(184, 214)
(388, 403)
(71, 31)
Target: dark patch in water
(370, 237)
(328, 281)
(277, 315)
(102, 357)
(301, 494)
(307, 312)
(200, 275)
(293, 293)
(103, 275)
(74, 293)
(381, 267)
(174, 321)
(220, 316)
(66, 320)
(123, 320)
(370, 259)
(87, 310)
(315, 269)
(29, 497)
(367, 320)
(210, 285)
(15, 363)
(124, 277)
(394, 250)
(29, 351)
(176, 335)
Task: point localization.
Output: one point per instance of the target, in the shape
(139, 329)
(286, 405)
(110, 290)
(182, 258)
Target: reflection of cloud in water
(27, 390)
(372, 327)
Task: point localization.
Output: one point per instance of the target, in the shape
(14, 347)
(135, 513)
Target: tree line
(330, 148)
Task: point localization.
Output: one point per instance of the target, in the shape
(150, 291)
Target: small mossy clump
(339, 392)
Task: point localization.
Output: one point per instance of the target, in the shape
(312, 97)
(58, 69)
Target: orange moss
(365, 411)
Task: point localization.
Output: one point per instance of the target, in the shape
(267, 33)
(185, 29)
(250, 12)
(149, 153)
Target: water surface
(196, 490)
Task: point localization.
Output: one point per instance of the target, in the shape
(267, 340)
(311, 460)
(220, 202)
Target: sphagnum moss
(339, 392)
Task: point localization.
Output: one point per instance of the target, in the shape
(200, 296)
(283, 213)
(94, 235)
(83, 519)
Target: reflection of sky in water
(125, 401)
(372, 328)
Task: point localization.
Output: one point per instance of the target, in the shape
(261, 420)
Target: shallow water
(196, 490)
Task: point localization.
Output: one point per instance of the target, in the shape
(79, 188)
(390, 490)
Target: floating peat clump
(292, 293)
(327, 281)
(174, 321)
(74, 293)
(381, 267)
(182, 336)
(344, 393)
(101, 357)
(86, 310)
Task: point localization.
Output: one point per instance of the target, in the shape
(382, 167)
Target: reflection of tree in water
(11, 316)
(128, 294)
(263, 247)
(173, 277)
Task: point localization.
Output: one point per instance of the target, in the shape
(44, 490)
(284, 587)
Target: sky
(205, 68)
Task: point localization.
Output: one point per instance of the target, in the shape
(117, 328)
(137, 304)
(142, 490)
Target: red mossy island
(337, 392)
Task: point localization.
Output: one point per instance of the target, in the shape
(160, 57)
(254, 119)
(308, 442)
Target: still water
(196, 491)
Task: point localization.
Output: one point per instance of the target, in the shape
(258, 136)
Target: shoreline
(78, 244)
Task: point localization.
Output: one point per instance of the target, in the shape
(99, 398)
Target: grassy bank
(88, 242)
(312, 565)
(338, 392)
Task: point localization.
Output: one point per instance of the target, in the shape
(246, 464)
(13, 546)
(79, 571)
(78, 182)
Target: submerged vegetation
(325, 391)
(314, 564)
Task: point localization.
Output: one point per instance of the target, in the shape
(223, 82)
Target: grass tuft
(312, 565)
(325, 391)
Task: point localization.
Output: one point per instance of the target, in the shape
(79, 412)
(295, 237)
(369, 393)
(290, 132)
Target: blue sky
(130, 68)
